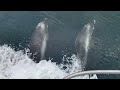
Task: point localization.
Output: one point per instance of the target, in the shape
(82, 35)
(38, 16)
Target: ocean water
(16, 28)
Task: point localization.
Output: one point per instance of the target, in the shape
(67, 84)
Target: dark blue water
(16, 28)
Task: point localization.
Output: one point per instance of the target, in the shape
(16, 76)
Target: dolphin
(39, 41)
(82, 43)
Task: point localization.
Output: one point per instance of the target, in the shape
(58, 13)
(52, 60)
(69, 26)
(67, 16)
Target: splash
(18, 65)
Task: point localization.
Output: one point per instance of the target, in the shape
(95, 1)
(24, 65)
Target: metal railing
(76, 74)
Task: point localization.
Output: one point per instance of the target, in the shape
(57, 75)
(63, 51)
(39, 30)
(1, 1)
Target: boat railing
(79, 73)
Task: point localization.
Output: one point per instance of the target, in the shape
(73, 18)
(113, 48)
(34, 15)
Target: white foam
(17, 65)
(94, 21)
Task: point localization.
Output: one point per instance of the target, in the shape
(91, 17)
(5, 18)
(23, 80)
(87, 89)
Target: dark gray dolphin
(83, 41)
(39, 41)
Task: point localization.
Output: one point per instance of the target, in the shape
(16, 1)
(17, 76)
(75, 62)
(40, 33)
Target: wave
(18, 65)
